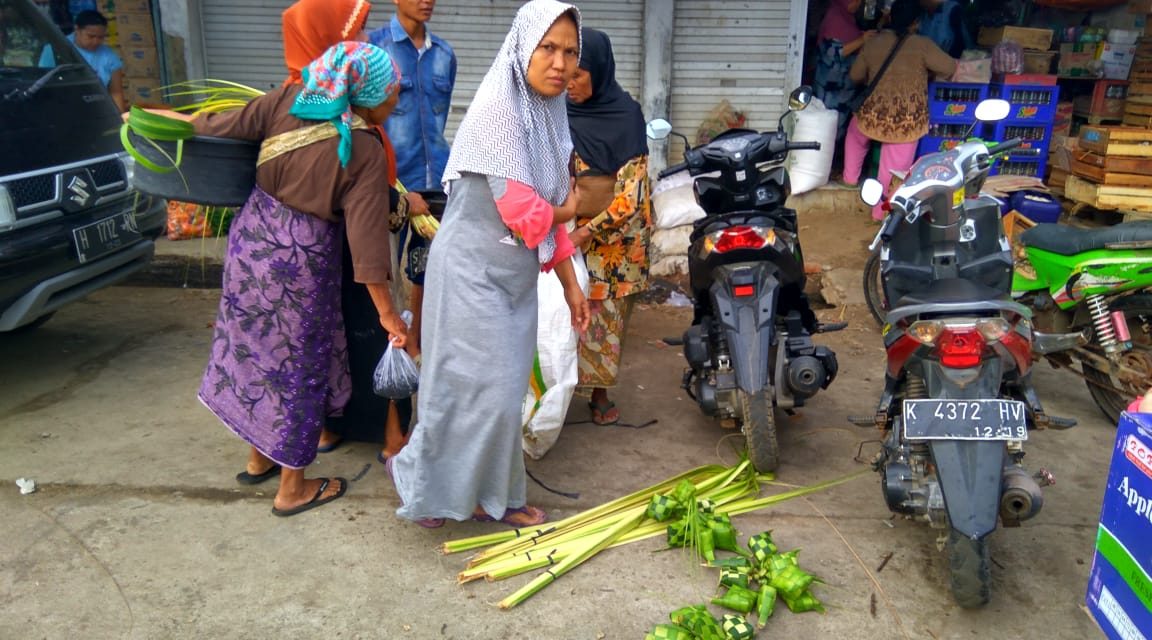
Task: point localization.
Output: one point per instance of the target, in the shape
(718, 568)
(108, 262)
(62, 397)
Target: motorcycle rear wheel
(759, 427)
(969, 564)
(1111, 393)
(874, 288)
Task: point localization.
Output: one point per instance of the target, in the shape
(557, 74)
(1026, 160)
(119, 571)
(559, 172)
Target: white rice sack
(673, 203)
(809, 169)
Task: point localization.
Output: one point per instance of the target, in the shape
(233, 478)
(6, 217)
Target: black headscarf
(608, 128)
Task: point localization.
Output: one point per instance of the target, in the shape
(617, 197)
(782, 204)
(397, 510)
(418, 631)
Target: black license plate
(965, 420)
(105, 236)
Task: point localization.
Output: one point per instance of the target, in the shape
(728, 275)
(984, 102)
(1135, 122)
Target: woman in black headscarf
(614, 217)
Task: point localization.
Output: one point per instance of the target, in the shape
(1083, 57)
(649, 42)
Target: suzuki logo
(79, 188)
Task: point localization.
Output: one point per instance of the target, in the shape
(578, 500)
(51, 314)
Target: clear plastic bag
(397, 375)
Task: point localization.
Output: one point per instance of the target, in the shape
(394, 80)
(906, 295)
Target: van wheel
(760, 430)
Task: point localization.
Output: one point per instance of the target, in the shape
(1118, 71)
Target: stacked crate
(951, 115)
(1033, 112)
(137, 45)
(1138, 107)
(1112, 169)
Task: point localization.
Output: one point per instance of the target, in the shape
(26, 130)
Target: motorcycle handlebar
(799, 146)
(676, 168)
(1007, 145)
(890, 225)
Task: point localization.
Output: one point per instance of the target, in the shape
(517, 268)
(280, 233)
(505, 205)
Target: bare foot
(328, 441)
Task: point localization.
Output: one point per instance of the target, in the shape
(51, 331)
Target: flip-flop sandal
(247, 478)
(537, 515)
(427, 523)
(599, 410)
(330, 448)
(316, 500)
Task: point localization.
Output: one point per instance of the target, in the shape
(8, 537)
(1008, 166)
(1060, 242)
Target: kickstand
(859, 457)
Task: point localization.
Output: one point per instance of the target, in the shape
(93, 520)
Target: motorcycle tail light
(741, 238)
(926, 331)
(993, 329)
(743, 290)
(960, 348)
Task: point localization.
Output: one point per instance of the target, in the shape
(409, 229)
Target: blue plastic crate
(933, 144)
(1030, 102)
(1020, 166)
(1036, 137)
(954, 101)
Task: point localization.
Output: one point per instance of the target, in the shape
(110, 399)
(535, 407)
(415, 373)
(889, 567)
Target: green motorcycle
(1087, 292)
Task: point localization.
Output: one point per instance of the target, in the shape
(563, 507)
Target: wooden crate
(1114, 164)
(1119, 141)
(1035, 39)
(1108, 197)
(1104, 177)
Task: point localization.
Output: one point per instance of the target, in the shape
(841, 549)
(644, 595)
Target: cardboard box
(974, 71)
(1038, 62)
(118, 7)
(1116, 58)
(143, 91)
(1078, 60)
(140, 62)
(135, 30)
(1119, 589)
(1036, 39)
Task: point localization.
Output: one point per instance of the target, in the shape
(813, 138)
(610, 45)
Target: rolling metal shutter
(730, 49)
(242, 40)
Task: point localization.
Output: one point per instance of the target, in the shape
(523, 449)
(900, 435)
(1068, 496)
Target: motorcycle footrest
(829, 327)
(1060, 423)
(863, 421)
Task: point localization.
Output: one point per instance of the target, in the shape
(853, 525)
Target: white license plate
(965, 420)
(105, 236)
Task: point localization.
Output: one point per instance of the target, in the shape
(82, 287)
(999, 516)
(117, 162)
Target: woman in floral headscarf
(509, 197)
(277, 366)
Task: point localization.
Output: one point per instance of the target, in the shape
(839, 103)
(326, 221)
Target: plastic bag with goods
(397, 375)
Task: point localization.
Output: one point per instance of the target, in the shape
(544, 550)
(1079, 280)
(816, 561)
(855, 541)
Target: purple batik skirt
(279, 361)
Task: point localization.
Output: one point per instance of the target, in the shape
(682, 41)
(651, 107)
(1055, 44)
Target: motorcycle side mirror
(800, 98)
(659, 129)
(993, 110)
(871, 192)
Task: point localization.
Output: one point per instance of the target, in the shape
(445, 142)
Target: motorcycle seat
(951, 291)
(1069, 241)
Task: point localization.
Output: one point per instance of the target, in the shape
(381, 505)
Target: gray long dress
(479, 335)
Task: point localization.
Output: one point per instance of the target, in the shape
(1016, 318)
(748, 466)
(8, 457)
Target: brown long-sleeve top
(897, 110)
(311, 180)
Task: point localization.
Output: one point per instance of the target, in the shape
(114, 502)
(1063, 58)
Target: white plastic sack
(668, 251)
(556, 343)
(673, 203)
(810, 169)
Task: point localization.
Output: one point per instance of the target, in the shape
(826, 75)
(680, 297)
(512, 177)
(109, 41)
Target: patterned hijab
(311, 26)
(510, 130)
(348, 74)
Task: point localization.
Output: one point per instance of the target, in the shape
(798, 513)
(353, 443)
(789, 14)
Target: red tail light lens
(738, 238)
(743, 290)
(960, 348)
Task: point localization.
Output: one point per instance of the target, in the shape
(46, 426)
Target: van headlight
(7, 209)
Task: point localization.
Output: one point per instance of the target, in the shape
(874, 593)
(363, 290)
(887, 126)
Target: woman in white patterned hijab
(509, 196)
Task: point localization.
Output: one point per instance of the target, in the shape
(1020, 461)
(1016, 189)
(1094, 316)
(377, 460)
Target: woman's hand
(578, 305)
(417, 205)
(567, 211)
(397, 330)
(580, 236)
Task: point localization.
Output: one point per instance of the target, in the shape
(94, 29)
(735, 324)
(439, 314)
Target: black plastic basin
(212, 171)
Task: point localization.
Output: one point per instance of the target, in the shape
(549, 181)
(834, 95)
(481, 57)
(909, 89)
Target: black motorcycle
(750, 347)
(958, 401)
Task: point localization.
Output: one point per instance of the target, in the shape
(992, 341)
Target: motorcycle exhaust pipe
(806, 375)
(1046, 343)
(1020, 497)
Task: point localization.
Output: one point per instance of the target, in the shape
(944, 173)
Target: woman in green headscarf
(279, 362)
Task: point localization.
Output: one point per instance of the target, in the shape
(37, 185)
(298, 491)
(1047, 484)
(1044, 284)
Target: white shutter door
(728, 49)
(242, 41)
(477, 29)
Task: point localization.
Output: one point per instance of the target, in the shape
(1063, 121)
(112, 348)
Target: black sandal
(316, 500)
(247, 478)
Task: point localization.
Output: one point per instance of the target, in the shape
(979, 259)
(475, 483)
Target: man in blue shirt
(416, 127)
(88, 38)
